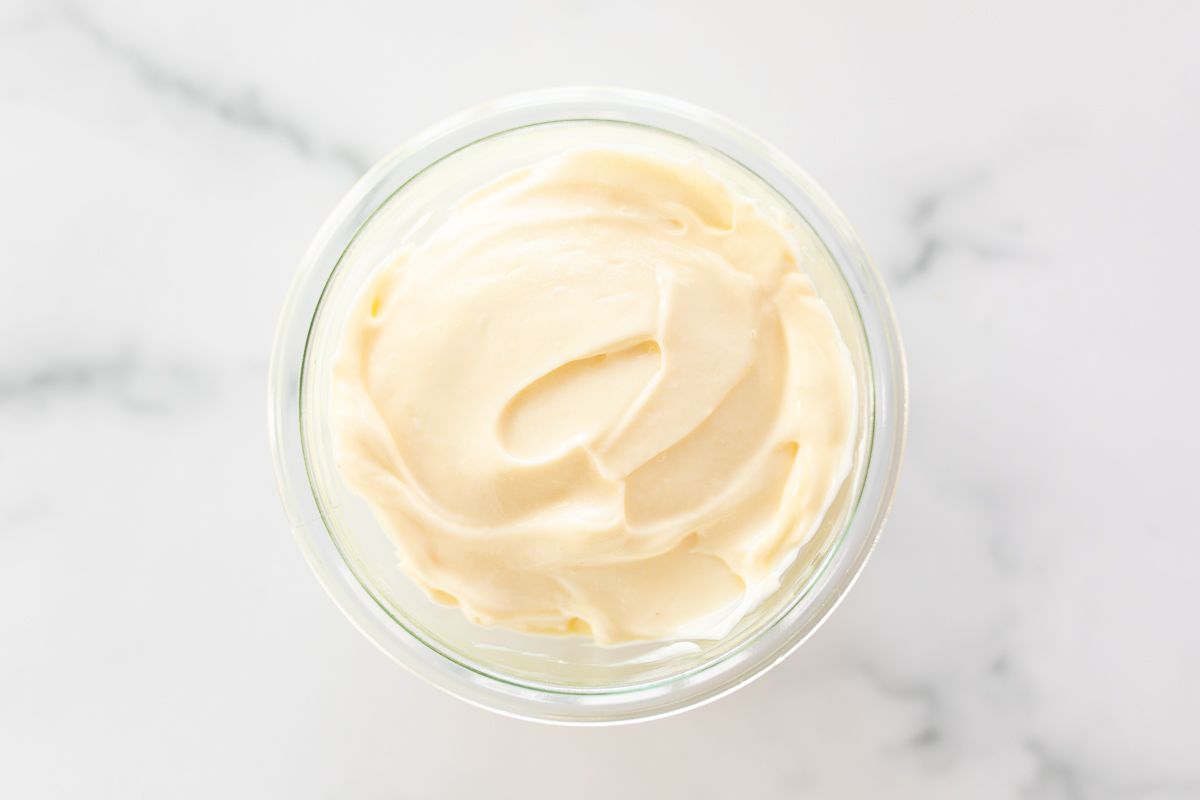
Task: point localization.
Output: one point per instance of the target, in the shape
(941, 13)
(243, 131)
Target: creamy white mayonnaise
(601, 398)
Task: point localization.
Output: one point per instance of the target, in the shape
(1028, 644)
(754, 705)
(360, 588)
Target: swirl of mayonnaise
(602, 398)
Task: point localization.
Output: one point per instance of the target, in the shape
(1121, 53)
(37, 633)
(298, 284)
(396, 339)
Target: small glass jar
(568, 679)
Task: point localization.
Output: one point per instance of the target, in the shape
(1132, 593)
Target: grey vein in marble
(1054, 776)
(925, 695)
(933, 245)
(135, 385)
(247, 111)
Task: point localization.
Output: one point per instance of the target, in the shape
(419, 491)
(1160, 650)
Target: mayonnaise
(601, 398)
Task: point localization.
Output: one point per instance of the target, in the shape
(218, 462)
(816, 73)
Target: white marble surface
(1025, 177)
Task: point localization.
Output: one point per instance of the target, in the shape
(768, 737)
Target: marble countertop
(1024, 176)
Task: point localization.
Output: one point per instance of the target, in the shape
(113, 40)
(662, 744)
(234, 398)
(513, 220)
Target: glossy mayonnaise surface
(602, 398)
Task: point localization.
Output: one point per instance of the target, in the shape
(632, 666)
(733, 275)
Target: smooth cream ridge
(601, 398)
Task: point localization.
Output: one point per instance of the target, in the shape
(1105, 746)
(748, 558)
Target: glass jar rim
(886, 436)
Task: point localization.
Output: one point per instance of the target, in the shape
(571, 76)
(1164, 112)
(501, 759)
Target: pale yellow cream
(601, 398)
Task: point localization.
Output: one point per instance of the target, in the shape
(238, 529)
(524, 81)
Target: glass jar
(568, 679)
